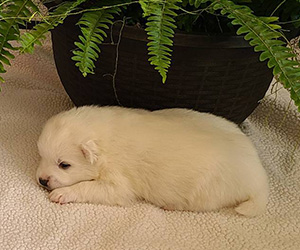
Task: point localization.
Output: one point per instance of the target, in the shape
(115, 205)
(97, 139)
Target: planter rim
(202, 40)
(184, 39)
(217, 41)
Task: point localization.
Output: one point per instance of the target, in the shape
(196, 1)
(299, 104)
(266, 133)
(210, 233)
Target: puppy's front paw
(63, 195)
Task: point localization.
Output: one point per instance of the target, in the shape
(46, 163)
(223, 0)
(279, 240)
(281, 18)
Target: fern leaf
(35, 36)
(263, 35)
(160, 30)
(93, 25)
(11, 15)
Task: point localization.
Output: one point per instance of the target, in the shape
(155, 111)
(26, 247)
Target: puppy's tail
(254, 206)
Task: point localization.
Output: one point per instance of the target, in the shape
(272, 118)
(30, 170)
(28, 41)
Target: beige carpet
(32, 93)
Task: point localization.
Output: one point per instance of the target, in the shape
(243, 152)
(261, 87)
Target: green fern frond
(263, 34)
(148, 6)
(12, 15)
(93, 25)
(160, 30)
(36, 35)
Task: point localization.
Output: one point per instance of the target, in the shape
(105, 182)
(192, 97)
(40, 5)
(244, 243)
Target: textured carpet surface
(28, 220)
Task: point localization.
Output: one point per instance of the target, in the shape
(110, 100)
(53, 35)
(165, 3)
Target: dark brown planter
(220, 75)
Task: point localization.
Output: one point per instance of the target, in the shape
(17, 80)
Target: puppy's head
(69, 153)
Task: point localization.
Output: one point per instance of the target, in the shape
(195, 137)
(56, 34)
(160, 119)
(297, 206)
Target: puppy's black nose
(43, 182)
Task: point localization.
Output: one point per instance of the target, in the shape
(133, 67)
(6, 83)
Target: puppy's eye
(64, 165)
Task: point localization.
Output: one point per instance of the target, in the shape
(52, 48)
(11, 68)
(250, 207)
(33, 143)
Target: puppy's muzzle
(43, 182)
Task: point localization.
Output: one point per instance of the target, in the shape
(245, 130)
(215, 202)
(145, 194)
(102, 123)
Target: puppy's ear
(90, 151)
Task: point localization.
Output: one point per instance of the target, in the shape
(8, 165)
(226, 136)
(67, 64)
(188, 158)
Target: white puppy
(174, 158)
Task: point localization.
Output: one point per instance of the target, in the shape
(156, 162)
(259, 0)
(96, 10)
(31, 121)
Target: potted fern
(190, 65)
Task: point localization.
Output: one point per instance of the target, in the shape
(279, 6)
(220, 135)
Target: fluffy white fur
(174, 158)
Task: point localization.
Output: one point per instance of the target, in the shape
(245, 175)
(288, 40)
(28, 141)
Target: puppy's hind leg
(255, 206)
(97, 192)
